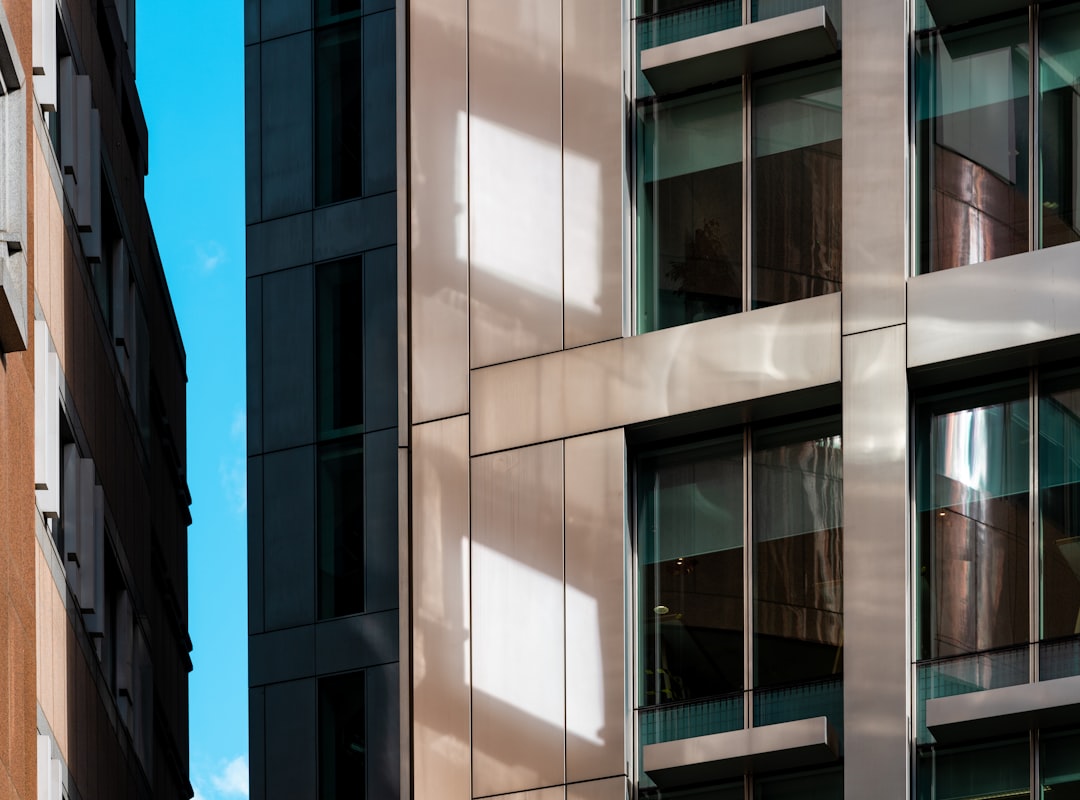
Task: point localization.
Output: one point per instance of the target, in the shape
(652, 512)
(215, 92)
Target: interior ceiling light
(661, 610)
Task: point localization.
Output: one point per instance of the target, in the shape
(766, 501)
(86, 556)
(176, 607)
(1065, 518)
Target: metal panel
(380, 339)
(282, 17)
(724, 755)
(515, 179)
(438, 219)
(380, 520)
(291, 740)
(1000, 712)
(596, 737)
(440, 610)
(552, 793)
(346, 228)
(1020, 300)
(286, 120)
(875, 177)
(255, 544)
(288, 366)
(608, 789)
(253, 129)
(257, 739)
(876, 648)
(518, 691)
(251, 21)
(719, 362)
(289, 538)
(254, 366)
(592, 171)
(383, 763)
(283, 655)
(279, 244)
(379, 119)
(702, 60)
(355, 642)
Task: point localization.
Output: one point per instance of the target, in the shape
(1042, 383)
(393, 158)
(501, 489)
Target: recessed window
(338, 112)
(761, 507)
(341, 528)
(340, 347)
(342, 737)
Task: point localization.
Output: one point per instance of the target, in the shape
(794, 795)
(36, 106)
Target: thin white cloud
(198, 795)
(233, 475)
(233, 778)
(238, 430)
(210, 255)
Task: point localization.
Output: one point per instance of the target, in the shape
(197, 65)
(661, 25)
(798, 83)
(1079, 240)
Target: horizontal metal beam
(724, 755)
(771, 43)
(997, 712)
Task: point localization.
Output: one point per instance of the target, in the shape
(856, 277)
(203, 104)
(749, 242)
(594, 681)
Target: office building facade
(93, 485)
(736, 400)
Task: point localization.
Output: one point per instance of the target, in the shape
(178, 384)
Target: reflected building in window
(664, 399)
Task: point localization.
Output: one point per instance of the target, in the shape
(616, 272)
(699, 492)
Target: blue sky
(190, 73)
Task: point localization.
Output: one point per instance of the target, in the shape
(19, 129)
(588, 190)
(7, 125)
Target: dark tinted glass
(330, 11)
(1059, 125)
(341, 529)
(340, 347)
(342, 738)
(338, 113)
(964, 773)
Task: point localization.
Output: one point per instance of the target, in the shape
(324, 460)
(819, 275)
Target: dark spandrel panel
(253, 328)
(344, 229)
(383, 718)
(288, 368)
(251, 21)
(972, 100)
(338, 113)
(380, 520)
(291, 736)
(380, 104)
(257, 746)
(816, 785)
(343, 741)
(797, 187)
(255, 544)
(283, 17)
(1059, 125)
(341, 528)
(282, 655)
(286, 115)
(380, 338)
(340, 347)
(289, 538)
(972, 545)
(356, 642)
(960, 773)
(253, 130)
(690, 211)
(279, 244)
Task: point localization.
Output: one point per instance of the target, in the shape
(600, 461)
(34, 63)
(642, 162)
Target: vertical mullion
(1034, 515)
(1033, 742)
(748, 584)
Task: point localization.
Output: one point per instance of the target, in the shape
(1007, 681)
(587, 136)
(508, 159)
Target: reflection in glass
(972, 503)
(966, 773)
(766, 9)
(341, 529)
(338, 113)
(340, 347)
(972, 142)
(816, 785)
(690, 522)
(1060, 766)
(797, 479)
(1059, 125)
(724, 791)
(690, 209)
(342, 738)
(1059, 510)
(797, 161)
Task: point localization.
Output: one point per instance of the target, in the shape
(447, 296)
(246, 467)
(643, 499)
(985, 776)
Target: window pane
(340, 347)
(690, 207)
(972, 142)
(967, 773)
(329, 11)
(796, 186)
(826, 785)
(766, 9)
(341, 529)
(1060, 764)
(691, 559)
(342, 738)
(1059, 505)
(726, 791)
(797, 480)
(972, 502)
(338, 113)
(1059, 107)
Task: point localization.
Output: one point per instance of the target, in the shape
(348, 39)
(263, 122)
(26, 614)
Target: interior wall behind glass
(1059, 124)
(342, 738)
(340, 531)
(340, 347)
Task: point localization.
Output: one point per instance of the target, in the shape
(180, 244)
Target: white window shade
(50, 770)
(90, 192)
(14, 303)
(46, 422)
(45, 73)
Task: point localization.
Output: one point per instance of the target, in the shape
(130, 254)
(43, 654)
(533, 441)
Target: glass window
(972, 502)
(692, 538)
(340, 348)
(338, 113)
(1059, 125)
(690, 209)
(1060, 766)
(342, 738)
(967, 773)
(972, 143)
(341, 528)
(796, 186)
(330, 11)
(817, 785)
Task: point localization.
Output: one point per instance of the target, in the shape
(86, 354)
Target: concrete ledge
(1003, 711)
(724, 755)
(776, 42)
(13, 310)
